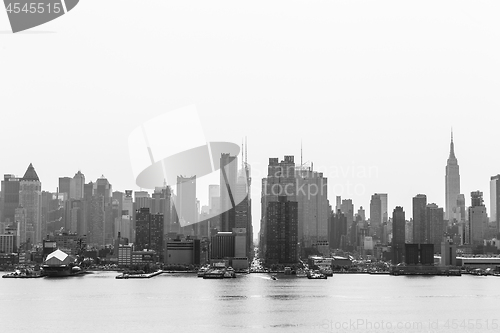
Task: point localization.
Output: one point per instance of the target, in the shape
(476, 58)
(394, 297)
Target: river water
(98, 302)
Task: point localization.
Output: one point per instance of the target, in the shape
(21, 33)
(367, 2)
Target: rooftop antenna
(301, 164)
(246, 151)
(242, 156)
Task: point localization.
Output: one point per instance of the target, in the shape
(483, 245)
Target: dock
(22, 276)
(139, 276)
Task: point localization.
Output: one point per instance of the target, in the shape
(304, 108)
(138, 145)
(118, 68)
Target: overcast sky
(366, 85)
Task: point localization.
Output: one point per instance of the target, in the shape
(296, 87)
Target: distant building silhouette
(30, 195)
(477, 221)
(228, 201)
(338, 228)
(419, 254)
(64, 186)
(76, 189)
(282, 231)
(149, 231)
(185, 204)
(419, 218)
(398, 235)
(375, 215)
(280, 181)
(10, 198)
(434, 226)
(495, 201)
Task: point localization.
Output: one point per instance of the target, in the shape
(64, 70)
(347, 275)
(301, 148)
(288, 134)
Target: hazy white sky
(366, 85)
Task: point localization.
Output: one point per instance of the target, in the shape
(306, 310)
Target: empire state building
(452, 180)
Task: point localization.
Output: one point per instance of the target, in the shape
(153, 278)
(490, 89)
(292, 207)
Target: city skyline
(250, 166)
(393, 198)
(374, 97)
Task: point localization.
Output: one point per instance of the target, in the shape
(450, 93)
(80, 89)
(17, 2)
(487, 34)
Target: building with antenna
(452, 183)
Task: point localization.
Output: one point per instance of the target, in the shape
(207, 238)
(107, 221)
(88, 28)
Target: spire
(301, 154)
(30, 174)
(452, 147)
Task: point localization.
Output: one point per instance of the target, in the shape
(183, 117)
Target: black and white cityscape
(264, 166)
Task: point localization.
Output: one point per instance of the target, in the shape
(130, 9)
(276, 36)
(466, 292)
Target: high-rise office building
(495, 201)
(282, 231)
(103, 187)
(313, 207)
(228, 200)
(280, 181)
(398, 235)
(213, 194)
(434, 226)
(30, 198)
(222, 245)
(452, 183)
(76, 188)
(384, 205)
(362, 214)
(477, 221)
(347, 209)
(419, 219)
(149, 231)
(376, 213)
(64, 186)
(10, 198)
(96, 221)
(338, 230)
(185, 205)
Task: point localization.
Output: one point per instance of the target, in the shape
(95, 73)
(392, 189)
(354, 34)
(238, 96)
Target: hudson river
(250, 303)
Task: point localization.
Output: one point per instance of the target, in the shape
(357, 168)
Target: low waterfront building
(143, 257)
(124, 254)
(448, 253)
(8, 243)
(182, 252)
(419, 254)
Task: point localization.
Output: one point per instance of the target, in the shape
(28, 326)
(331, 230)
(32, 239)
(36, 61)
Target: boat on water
(326, 271)
(60, 264)
(202, 271)
(229, 273)
(214, 274)
(316, 275)
(301, 273)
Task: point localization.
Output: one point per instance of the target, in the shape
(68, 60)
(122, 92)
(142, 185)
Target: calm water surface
(250, 303)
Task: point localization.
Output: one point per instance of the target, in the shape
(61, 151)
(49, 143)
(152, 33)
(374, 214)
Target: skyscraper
(76, 186)
(213, 195)
(478, 220)
(185, 205)
(419, 219)
(282, 231)
(313, 208)
(280, 181)
(376, 215)
(30, 198)
(338, 230)
(434, 226)
(228, 201)
(398, 235)
(10, 198)
(64, 186)
(452, 183)
(384, 205)
(104, 188)
(149, 231)
(495, 201)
